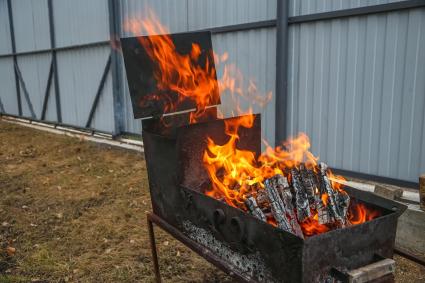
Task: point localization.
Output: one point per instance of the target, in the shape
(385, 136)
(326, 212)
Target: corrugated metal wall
(306, 7)
(79, 70)
(355, 85)
(257, 45)
(357, 88)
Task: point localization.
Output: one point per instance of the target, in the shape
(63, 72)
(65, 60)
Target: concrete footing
(411, 231)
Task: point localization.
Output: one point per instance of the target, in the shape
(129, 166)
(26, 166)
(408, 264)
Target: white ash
(251, 265)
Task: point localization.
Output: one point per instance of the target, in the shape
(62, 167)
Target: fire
(235, 173)
(359, 214)
(191, 76)
(188, 75)
(311, 226)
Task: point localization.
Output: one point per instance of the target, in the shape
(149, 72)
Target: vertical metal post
(2, 107)
(116, 64)
(47, 92)
(153, 249)
(54, 61)
(281, 70)
(15, 60)
(422, 191)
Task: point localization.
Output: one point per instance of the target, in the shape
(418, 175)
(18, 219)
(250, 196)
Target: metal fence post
(15, 60)
(116, 67)
(281, 70)
(54, 61)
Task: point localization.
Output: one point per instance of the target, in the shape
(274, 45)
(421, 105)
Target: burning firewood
(309, 180)
(282, 207)
(337, 202)
(301, 198)
(287, 197)
(253, 208)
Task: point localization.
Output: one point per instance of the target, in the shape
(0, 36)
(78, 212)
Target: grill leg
(153, 249)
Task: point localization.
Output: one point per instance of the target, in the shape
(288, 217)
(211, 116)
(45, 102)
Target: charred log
(262, 199)
(287, 197)
(301, 196)
(309, 180)
(253, 208)
(278, 205)
(337, 202)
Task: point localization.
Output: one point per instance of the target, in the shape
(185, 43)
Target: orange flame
(359, 214)
(176, 73)
(182, 73)
(234, 172)
(311, 226)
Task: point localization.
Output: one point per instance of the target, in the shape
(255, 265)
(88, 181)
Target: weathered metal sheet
(80, 21)
(8, 87)
(204, 14)
(305, 7)
(225, 230)
(354, 87)
(31, 23)
(140, 69)
(80, 72)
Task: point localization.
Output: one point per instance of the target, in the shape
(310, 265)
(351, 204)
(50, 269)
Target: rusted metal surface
(278, 255)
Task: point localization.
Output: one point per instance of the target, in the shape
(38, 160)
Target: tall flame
(178, 73)
(183, 74)
(234, 172)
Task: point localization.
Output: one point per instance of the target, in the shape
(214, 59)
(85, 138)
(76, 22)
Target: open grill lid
(147, 99)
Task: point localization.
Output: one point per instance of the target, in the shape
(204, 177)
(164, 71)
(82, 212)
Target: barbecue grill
(249, 249)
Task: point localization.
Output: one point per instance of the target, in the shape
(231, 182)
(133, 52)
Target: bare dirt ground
(74, 211)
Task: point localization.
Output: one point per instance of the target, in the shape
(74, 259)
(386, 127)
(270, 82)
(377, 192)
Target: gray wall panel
(259, 47)
(51, 114)
(211, 13)
(131, 125)
(31, 23)
(5, 43)
(354, 88)
(103, 118)
(171, 13)
(8, 88)
(80, 72)
(80, 21)
(305, 7)
(34, 70)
